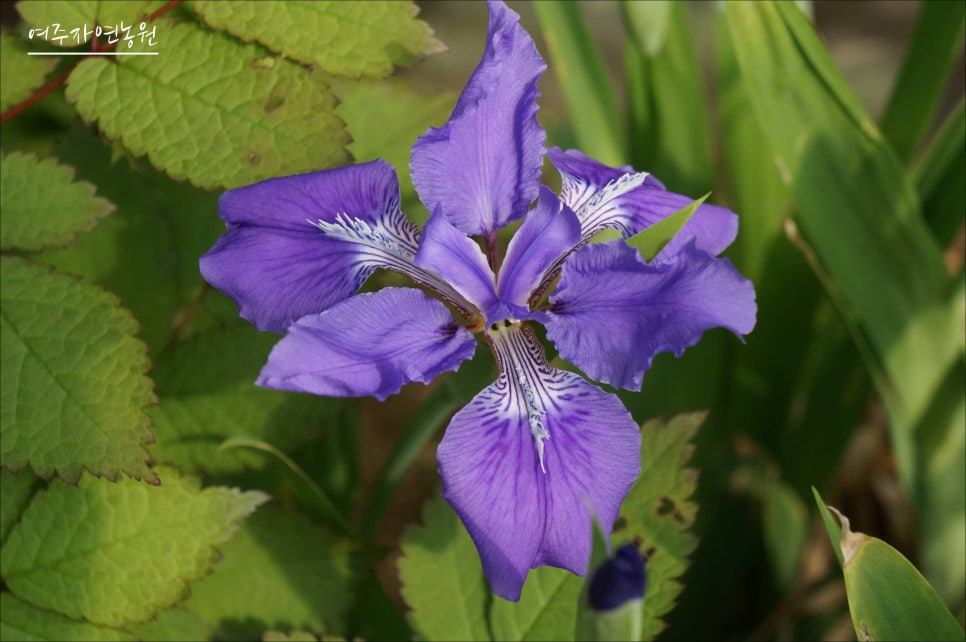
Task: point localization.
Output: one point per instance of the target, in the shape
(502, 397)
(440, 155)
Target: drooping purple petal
(300, 244)
(530, 457)
(547, 232)
(612, 312)
(457, 258)
(369, 345)
(608, 197)
(482, 168)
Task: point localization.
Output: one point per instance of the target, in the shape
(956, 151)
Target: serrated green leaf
(73, 382)
(42, 205)
(440, 565)
(650, 241)
(294, 636)
(21, 621)
(22, 74)
(15, 493)
(384, 117)
(176, 623)
(110, 553)
(207, 389)
(279, 572)
(342, 38)
(78, 14)
(658, 509)
(211, 110)
(547, 609)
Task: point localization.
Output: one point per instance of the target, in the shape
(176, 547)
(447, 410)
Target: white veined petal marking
(531, 382)
(391, 242)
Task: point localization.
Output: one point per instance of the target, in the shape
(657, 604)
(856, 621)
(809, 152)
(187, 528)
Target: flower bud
(613, 595)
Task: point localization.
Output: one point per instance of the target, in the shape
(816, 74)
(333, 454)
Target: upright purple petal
(457, 258)
(300, 244)
(608, 197)
(529, 459)
(369, 345)
(612, 312)
(482, 168)
(547, 232)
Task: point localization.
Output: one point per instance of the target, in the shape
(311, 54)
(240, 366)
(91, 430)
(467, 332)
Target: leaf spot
(273, 103)
(262, 62)
(253, 158)
(666, 507)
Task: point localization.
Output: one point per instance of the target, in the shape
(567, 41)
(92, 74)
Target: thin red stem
(47, 89)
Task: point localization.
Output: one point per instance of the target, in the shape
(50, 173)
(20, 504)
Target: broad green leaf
(343, 38)
(111, 553)
(935, 45)
(888, 598)
(21, 621)
(440, 566)
(156, 235)
(669, 134)
(207, 389)
(547, 609)
(176, 623)
(22, 74)
(281, 572)
(585, 81)
(941, 177)
(15, 493)
(78, 14)
(384, 117)
(650, 241)
(648, 23)
(73, 382)
(856, 208)
(208, 109)
(42, 205)
(658, 509)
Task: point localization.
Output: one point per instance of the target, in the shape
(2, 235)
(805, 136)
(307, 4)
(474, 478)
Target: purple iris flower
(529, 459)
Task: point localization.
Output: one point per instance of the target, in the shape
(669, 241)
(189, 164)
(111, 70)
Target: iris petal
(482, 168)
(612, 312)
(371, 344)
(529, 458)
(300, 244)
(547, 232)
(608, 197)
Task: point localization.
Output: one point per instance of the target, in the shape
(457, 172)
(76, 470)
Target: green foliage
(883, 266)
(112, 553)
(42, 205)
(22, 74)
(279, 571)
(440, 565)
(15, 493)
(72, 14)
(21, 621)
(207, 391)
(74, 388)
(583, 78)
(888, 598)
(254, 114)
(342, 38)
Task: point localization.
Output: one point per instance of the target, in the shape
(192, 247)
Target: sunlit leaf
(440, 565)
(216, 112)
(73, 382)
(342, 38)
(21, 621)
(109, 553)
(22, 74)
(82, 15)
(42, 205)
